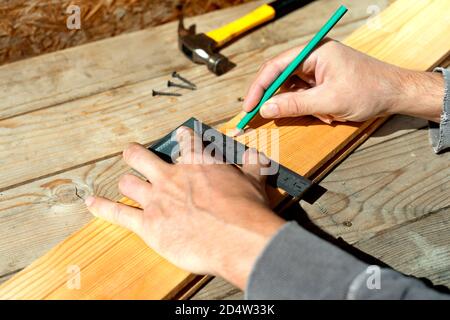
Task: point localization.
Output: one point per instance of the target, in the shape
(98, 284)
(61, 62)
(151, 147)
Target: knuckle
(293, 106)
(166, 174)
(264, 65)
(268, 65)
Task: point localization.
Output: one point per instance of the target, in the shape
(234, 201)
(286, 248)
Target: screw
(159, 93)
(173, 84)
(177, 75)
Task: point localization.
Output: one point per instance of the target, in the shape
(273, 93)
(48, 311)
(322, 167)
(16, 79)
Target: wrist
(420, 94)
(242, 245)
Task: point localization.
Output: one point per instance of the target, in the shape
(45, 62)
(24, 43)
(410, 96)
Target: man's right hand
(338, 83)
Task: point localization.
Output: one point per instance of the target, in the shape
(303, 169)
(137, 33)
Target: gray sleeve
(440, 132)
(299, 265)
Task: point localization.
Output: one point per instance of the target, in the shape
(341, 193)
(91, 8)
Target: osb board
(32, 27)
(403, 23)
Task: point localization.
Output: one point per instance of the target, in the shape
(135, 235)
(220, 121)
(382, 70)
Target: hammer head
(202, 49)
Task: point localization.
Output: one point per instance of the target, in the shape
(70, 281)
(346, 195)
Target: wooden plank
(219, 289)
(36, 274)
(82, 71)
(102, 124)
(387, 244)
(35, 216)
(397, 128)
(383, 185)
(420, 248)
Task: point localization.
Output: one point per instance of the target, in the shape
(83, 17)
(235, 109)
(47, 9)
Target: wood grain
(396, 130)
(32, 280)
(102, 124)
(420, 248)
(121, 61)
(383, 185)
(33, 27)
(219, 289)
(38, 214)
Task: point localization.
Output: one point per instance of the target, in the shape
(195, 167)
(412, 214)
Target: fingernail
(270, 110)
(89, 200)
(181, 131)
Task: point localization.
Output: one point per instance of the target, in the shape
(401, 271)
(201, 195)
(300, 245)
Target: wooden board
(420, 248)
(44, 205)
(370, 204)
(33, 282)
(101, 98)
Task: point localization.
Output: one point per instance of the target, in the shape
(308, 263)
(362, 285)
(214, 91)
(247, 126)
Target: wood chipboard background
(32, 27)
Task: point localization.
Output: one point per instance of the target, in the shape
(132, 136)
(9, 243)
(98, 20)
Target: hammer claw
(201, 49)
(182, 31)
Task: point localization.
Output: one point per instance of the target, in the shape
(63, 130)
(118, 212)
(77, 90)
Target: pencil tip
(235, 132)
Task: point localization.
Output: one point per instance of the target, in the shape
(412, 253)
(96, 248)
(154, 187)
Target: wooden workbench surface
(66, 116)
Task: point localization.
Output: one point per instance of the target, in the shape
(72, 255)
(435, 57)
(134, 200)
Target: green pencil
(293, 65)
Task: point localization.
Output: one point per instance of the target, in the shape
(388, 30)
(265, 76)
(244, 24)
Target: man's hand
(337, 83)
(203, 217)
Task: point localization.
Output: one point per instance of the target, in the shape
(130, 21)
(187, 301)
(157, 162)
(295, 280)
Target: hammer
(203, 48)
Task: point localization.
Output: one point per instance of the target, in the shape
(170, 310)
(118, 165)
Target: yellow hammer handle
(228, 32)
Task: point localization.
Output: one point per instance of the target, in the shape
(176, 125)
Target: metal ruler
(231, 151)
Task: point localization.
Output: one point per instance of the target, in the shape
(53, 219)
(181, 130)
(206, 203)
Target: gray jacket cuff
(440, 133)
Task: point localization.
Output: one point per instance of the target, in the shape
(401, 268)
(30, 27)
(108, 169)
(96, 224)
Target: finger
(252, 164)
(294, 104)
(117, 213)
(265, 76)
(326, 118)
(145, 162)
(272, 69)
(135, 189)
(191, 146)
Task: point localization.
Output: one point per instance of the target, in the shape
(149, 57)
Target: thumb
(294, 104)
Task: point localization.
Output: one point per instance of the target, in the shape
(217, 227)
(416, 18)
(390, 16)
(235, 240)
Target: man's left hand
(203, 216)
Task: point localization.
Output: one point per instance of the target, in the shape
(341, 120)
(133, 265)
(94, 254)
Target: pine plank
(37, 215)
(102, 124)
(341, 182)
(427, 252)
(412, 15)
(383, 185)
(85, 70)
